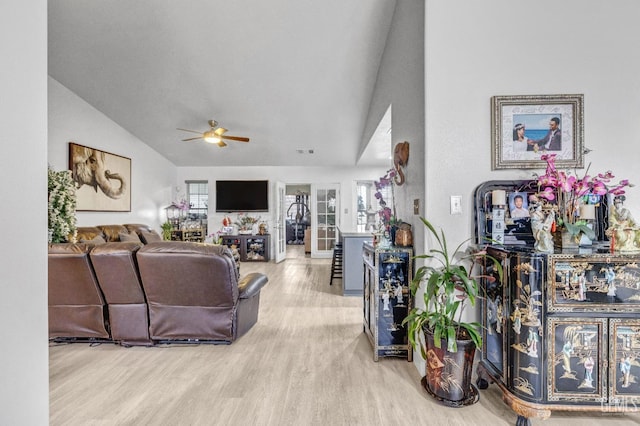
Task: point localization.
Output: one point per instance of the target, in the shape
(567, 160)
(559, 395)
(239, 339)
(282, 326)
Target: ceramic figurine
(623, 231)
(541, 227)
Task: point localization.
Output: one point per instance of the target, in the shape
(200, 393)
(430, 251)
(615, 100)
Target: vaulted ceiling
(294, 76)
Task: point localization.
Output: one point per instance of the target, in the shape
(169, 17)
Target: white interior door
(325, 209)
(280, 234)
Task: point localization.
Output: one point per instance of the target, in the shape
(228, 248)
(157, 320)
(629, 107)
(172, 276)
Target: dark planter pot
(392, 233)
(448, 374)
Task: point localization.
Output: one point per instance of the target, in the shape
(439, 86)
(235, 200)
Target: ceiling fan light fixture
(211, 137)
(215, 135)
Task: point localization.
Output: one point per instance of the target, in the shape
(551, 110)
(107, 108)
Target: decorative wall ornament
(400, 159)
(103, 180)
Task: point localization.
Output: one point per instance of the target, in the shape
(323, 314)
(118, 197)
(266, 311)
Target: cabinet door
(256, 248)
(394, 273)
(523, 328)
(624, 362)
(368, 277)
(576, 359)
(494, 309)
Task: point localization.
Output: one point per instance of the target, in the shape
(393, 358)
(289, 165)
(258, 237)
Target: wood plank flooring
(306, 362)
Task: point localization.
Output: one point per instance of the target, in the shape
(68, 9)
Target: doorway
(298, 219)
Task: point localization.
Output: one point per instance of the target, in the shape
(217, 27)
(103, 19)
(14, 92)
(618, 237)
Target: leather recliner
(117, 272)
(194, 294)
(76, 304)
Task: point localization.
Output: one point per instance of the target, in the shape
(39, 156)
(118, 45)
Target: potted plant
(446, 342)
(167, 227)
(61, 206)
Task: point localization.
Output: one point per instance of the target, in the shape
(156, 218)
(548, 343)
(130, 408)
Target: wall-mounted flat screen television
(242, 196)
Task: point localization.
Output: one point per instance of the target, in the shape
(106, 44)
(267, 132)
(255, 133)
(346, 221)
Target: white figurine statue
(623, 231)
(541, 227)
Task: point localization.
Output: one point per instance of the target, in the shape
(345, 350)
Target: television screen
(242, 195)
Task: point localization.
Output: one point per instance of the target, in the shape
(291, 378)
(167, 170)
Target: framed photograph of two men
(523, 128)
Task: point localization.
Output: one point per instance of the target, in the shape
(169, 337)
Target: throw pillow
(97, 240)
(150, 237)
(133, 238)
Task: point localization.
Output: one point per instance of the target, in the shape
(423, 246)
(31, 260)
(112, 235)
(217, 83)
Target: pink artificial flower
(582, 186)
(551, 162)
(547, 180)
(385, 214)
(566, 182)
(606, 177)
(617, 190)
(547, 194)
(599, 188)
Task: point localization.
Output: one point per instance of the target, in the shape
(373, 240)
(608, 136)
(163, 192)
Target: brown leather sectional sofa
(141, 294)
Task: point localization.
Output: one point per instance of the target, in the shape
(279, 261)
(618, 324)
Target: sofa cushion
(112, 232)
(137, 228)
(126, 237)
(150, 236)
(88, 233)
(97, 240)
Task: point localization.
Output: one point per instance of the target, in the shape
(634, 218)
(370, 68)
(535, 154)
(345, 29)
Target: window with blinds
(198, 197)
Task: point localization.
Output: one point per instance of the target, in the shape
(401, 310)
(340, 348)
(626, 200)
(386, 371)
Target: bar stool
(336, 263)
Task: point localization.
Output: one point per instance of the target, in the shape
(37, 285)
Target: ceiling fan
(214, 135)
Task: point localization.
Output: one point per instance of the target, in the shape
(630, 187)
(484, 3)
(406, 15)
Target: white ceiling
(292, 75)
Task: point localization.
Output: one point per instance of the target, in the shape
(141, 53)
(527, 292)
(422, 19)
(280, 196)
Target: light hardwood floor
(306, 362)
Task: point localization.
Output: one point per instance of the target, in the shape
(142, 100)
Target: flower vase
(563, 240)
(381, 240)
(392, 233)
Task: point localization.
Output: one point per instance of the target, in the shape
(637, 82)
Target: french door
(281, 221)
(325, 209)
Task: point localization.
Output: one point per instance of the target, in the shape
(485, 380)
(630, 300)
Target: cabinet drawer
(595, 283)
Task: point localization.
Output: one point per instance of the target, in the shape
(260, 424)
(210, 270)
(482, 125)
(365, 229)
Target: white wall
(152, 176)
(476, 50)
(23, 168)
(400, 83)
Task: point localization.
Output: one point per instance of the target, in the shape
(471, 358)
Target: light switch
(416, 206)
(456, 204)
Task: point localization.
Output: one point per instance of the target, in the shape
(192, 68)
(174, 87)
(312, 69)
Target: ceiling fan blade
(191, 139)
(221, 144)
(187, 130)
(235, 138)
(220, 131)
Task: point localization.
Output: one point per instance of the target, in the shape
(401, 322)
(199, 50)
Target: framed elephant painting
(103, 180)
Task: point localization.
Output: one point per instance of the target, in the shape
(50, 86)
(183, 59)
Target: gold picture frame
(522, 131)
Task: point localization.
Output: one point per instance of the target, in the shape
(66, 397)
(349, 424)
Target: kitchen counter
(352, 267)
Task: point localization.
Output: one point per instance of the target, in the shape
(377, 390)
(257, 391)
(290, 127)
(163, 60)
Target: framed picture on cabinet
(524, 128)
(103, 180)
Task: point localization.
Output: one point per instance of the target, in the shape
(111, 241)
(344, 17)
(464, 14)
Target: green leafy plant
(166, 227)
(61, 206)
(449, 288)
